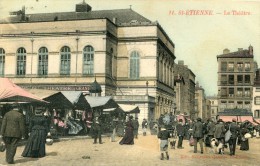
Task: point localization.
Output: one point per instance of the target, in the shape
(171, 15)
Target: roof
(10, 92)
(237, 54)
(121, 15)
(101, 101)
(129, 108)
(68, 99)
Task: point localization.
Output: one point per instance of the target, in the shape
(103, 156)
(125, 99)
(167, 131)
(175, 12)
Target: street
(145, 152)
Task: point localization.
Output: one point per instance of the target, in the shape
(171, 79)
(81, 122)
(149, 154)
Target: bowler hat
(199, 119)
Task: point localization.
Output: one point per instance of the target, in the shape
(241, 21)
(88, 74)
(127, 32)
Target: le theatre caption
(208, 12)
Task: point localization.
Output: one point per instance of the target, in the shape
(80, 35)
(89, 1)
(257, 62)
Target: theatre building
(129, 56)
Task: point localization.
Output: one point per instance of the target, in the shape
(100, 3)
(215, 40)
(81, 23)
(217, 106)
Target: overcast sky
(198, 38)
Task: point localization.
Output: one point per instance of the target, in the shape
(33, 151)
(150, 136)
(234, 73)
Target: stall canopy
(10, 92)
(241, 115)
(68, 99)
(103, 102)
(127, 108)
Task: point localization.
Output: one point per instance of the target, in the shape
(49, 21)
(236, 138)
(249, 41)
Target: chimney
(226, 51)
(83, 7)
(114, 20)
(250, 50)
(180, 62)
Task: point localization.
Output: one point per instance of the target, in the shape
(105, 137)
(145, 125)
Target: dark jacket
(180, 129)
(211, 128)
(198, 130)
(13, 125)
(234, 129)
(135, 124)
(144, 124)
(164, 134)
(220, 130)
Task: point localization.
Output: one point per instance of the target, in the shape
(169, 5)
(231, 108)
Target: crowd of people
(169, 130)
(217, 136)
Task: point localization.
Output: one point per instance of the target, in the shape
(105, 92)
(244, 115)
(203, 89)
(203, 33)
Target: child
(164, 135)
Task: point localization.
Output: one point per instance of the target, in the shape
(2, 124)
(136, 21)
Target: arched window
(21, 61)
(134, 65)
(43, 61)
(88, 60)
(65, 61)
(2, 62)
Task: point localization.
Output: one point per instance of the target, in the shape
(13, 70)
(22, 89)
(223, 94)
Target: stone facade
(235, 79)
(184, 89)
(128, 55)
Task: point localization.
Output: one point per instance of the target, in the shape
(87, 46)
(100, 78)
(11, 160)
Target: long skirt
(128, 137)
(35, 146)
(244, 145)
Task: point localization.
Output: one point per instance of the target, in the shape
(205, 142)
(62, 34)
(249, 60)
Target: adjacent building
(213, 106)
(129, 56)
(184, 89)
(236, 79)
(200, 107)
(256, 97)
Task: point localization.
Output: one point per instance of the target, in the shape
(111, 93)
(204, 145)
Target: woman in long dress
(244, 141)
(129, 133)
(38, 128)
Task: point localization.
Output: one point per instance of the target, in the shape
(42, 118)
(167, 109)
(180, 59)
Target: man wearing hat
(234, 129)
(144, 126)
(220, 135)
(12, 130)
(136, 126)
(198, 135)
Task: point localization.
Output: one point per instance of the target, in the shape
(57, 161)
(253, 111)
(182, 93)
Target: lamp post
(32, 40)
(147, 83)
(77, 40)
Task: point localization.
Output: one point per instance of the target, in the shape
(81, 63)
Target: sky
(198, 39)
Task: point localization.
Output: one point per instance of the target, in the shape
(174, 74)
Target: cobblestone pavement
(145, 152)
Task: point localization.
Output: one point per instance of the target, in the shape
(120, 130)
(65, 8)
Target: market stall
(69, 109)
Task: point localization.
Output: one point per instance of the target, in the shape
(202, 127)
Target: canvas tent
(69, 100)
(10, 92)
(127, 108)
(103, 102)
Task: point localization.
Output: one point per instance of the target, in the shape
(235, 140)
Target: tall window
(239, 92)
(240, 66)
(231, 79)
(247, 79)
(223, 66)
(43, 61)
(257, 100)
(88, 60)
(223, 79)
(247, 66)
(21, 62)
(65, 61)
(231, 66)
(247, 92)
(239, 79)
(2, 62)
(134, 65)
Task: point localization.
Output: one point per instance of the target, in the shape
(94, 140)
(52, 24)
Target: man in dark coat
(234, 129)
(211, 127)
(180, 132)
(12, 130)
(144, 126)
(198, 135)
(97, 130)
(220, 135)
(136, 126)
